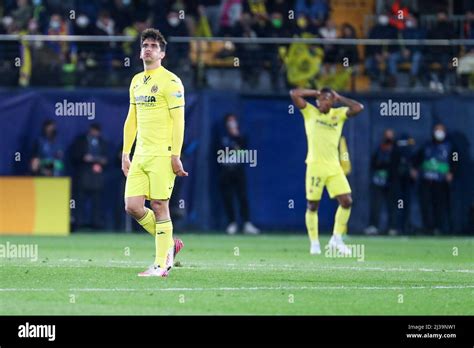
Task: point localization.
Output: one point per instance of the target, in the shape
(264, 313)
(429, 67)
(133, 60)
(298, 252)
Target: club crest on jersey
(154, 89)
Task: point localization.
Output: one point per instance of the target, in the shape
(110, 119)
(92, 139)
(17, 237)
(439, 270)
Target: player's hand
(178, 166)
(125, 163)
(449, 177)
(88, 158)
(336, 95)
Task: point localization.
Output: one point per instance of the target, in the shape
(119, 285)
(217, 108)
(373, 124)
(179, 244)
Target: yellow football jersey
(154, 93)
(323, 132)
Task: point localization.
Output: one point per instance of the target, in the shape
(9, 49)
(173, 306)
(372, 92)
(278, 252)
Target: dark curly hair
(154, 34)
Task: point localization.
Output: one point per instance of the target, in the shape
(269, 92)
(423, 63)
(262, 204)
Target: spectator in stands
(316, 10)
(441, 55)
(329, 31)
(435, 165)
(231, 12)
(48, 152)
(348, 51)
(58, 26)
(89, 154)
(233, 178)
(305, 27)
(257, 11)
(408, 53)
(123, 13)
(400, 13)
(278, 27)
(384, 166)
(282, 7)
(177, 53)
(22, 14)
(377, 55)
(404, 183)
(250, 54)
(212, 9)
(105, 25)
(465, 69)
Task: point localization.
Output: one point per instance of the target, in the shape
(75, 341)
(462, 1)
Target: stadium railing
(252, 65)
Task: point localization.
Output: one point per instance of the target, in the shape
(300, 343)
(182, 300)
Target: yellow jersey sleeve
(174, 93)
(130, 90)
(342, 113)
(130, 126)
(309, 110)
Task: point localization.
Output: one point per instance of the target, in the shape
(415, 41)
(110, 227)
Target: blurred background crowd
(237, 60)
(261, 65)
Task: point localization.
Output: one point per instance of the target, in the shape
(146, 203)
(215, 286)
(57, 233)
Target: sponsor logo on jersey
(145, 99)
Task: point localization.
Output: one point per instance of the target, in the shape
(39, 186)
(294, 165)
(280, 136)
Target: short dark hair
(326, 90)
(154, 34)
(46, 124)
(95, 126)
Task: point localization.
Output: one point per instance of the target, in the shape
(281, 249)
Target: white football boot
(232, 228)
(315, 248)
(337, 243)
(154, 271)
(249, 228)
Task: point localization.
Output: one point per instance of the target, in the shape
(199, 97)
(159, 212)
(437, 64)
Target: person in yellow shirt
(156, 120)
(323, 125)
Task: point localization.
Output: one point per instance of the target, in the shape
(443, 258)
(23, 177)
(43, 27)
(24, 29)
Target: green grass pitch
(96, 274)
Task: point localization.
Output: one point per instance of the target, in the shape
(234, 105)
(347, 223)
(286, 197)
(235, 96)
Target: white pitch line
(244, 267)
(255, 288)
(25, 289)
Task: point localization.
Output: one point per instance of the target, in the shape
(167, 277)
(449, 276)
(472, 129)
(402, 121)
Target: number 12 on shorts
(315, 181)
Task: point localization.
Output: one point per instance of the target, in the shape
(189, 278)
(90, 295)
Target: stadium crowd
(98, 63)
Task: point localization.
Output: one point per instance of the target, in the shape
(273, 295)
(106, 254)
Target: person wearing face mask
(439, 55)
(233, 179)
(48, 152)
(377, 55)
(175, 26)
(383, 167)
(411, 54)
(89, 155)
(434, 166)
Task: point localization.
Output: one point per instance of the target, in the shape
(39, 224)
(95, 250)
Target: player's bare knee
(313, 205)
(160, 208)
(135, 210)
(346, 202)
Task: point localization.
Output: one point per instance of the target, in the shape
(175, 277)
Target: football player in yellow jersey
(156, 119)
(323, 124)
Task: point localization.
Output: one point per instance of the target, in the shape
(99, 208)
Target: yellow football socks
(311, 218)
(163, 241)
(148, 221)
(340, 221)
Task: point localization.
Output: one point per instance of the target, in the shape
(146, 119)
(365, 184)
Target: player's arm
(354, 106)
(298, 95)
(174, 95)
(129, 134)
(177, 114)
